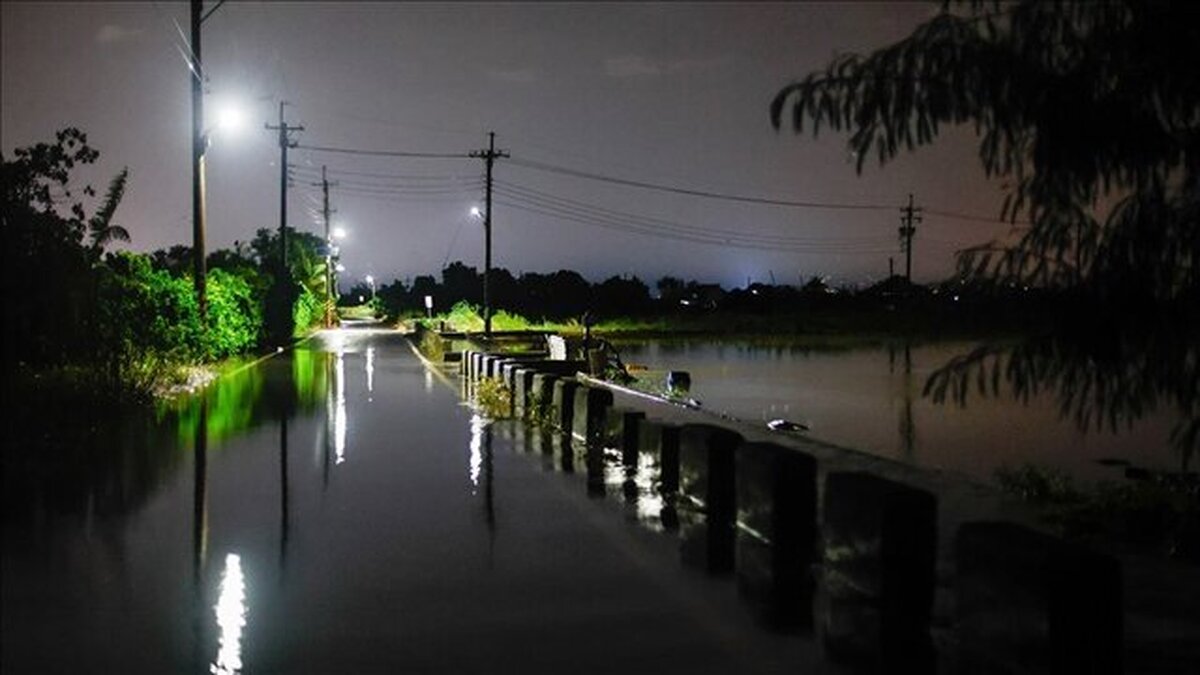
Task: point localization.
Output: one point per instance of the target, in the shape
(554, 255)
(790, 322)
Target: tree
(1090, 111)
(1078, 105)
(45, 268)
(101, 228)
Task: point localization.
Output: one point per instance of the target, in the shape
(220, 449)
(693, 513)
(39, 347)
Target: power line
(551, 168)
(694, 237)
(535, 197)
(386, 153)
(980, 219)
(396, 176)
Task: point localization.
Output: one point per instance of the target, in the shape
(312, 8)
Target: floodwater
(337, 509)
(871, 399)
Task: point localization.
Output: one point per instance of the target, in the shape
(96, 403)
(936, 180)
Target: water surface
(337, 509)
(871, 399)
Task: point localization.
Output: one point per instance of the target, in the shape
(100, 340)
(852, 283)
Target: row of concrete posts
(847, 554)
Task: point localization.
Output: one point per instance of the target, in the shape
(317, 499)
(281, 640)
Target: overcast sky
(670, 94)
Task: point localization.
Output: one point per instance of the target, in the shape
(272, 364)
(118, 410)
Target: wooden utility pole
(199, 146)
(327, 212)
(285, 142)
(199, 141)
(489, 156)
(911, 216)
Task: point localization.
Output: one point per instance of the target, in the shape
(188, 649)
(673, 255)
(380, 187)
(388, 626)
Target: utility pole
(199, 146)
(199, 270)
(910, 217)
(285, 142)
(326, 211)
(489, 156)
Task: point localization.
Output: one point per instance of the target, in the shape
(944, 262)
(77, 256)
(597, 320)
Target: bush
(307, 311)
(493, 398)
(235, 321)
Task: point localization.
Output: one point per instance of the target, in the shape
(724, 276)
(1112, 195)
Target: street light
(487, 266)
(371, 283)
(330, 252)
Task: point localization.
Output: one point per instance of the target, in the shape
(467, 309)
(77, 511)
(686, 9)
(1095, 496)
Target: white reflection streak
(231, 617)
(339, 411)
(649, 502)
(477, 426)
(428, 381)
(370, 370)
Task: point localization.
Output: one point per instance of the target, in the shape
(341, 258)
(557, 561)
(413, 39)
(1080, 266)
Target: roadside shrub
(493, 398)
(307, 311)
(235, 320)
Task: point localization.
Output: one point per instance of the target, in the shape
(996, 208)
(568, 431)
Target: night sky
(667, 94)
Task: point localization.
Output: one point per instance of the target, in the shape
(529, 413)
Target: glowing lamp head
(476, 212)
(230, 119)
(339, 233)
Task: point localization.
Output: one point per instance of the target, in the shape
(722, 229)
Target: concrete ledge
(708, 505)
(562, 404)
(880, 551)
(777, 535)
(621, 432)
(591, 412)
(541, 395)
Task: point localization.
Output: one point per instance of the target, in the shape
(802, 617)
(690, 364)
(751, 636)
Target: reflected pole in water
(488, 495)
(908, 428)
(199, 531)
(200, 491)
(329, 404)
(283, 491)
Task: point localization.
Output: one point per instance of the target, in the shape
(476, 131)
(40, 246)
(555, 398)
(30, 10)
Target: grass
(1158, 514)
(357, 312)
(821, 328)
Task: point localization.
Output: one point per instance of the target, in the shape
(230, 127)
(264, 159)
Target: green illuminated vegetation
(493, 398)
(121, 326)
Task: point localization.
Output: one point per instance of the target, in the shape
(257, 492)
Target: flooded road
(337, 509)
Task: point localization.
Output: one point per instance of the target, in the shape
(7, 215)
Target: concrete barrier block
(707, 468)
(708, 504)
(880, 546)
(621, 432)
(523, 385)
(591, 412)
(476, 365)
(541, 396)
(562, 404)
(661, 441)
(777, 534)
(493, 366)
(1028, 602)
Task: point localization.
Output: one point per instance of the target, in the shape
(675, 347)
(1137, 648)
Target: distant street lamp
(487, 266)
(371, 283)
(330, 252)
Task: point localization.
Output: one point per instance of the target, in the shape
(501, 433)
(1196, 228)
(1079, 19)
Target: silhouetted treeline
(567, 294)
